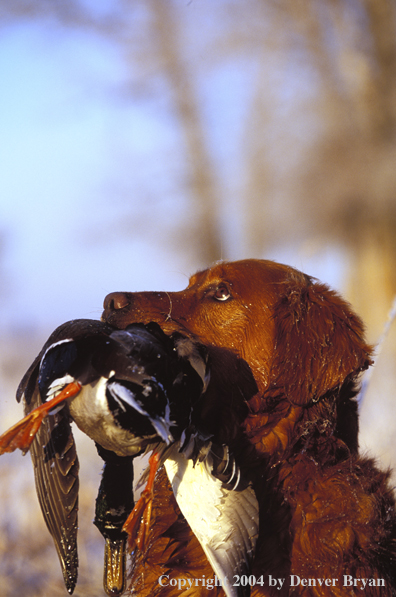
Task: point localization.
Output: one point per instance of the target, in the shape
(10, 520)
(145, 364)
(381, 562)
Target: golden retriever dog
(286, 354)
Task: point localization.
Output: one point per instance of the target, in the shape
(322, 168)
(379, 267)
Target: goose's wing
(56, 466)
(225, 521)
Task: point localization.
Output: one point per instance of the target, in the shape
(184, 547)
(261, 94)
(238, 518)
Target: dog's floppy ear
(320, 342)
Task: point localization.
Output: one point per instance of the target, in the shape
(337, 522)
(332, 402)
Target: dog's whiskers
(169, 315)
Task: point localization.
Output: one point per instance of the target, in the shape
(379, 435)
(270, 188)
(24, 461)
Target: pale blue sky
(57, 156)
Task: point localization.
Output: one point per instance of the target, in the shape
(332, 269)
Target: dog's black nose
(115, 301)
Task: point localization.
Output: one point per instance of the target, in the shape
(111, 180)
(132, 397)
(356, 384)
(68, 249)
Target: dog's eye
(222, 293)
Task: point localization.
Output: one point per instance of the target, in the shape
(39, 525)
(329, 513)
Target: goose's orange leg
(22, 433)
(137, 524)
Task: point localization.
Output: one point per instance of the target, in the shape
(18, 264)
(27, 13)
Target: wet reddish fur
(286, 354)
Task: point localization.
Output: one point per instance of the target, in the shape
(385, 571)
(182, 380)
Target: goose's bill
(114, 567)
(224, 521)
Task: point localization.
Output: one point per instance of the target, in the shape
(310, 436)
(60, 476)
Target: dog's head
(298, 340)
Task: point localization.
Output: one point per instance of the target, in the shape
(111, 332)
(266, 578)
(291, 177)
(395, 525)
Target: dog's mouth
(124, 308)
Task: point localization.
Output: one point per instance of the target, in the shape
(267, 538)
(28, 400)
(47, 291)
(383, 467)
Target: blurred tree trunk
(372, 284)
(259, 191)
(203, 228)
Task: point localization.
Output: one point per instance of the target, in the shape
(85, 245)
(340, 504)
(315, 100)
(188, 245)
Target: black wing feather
(56, 466)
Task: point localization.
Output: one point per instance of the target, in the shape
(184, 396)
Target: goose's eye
(222, 293)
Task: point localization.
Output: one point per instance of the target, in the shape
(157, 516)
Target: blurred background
(144, 139)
